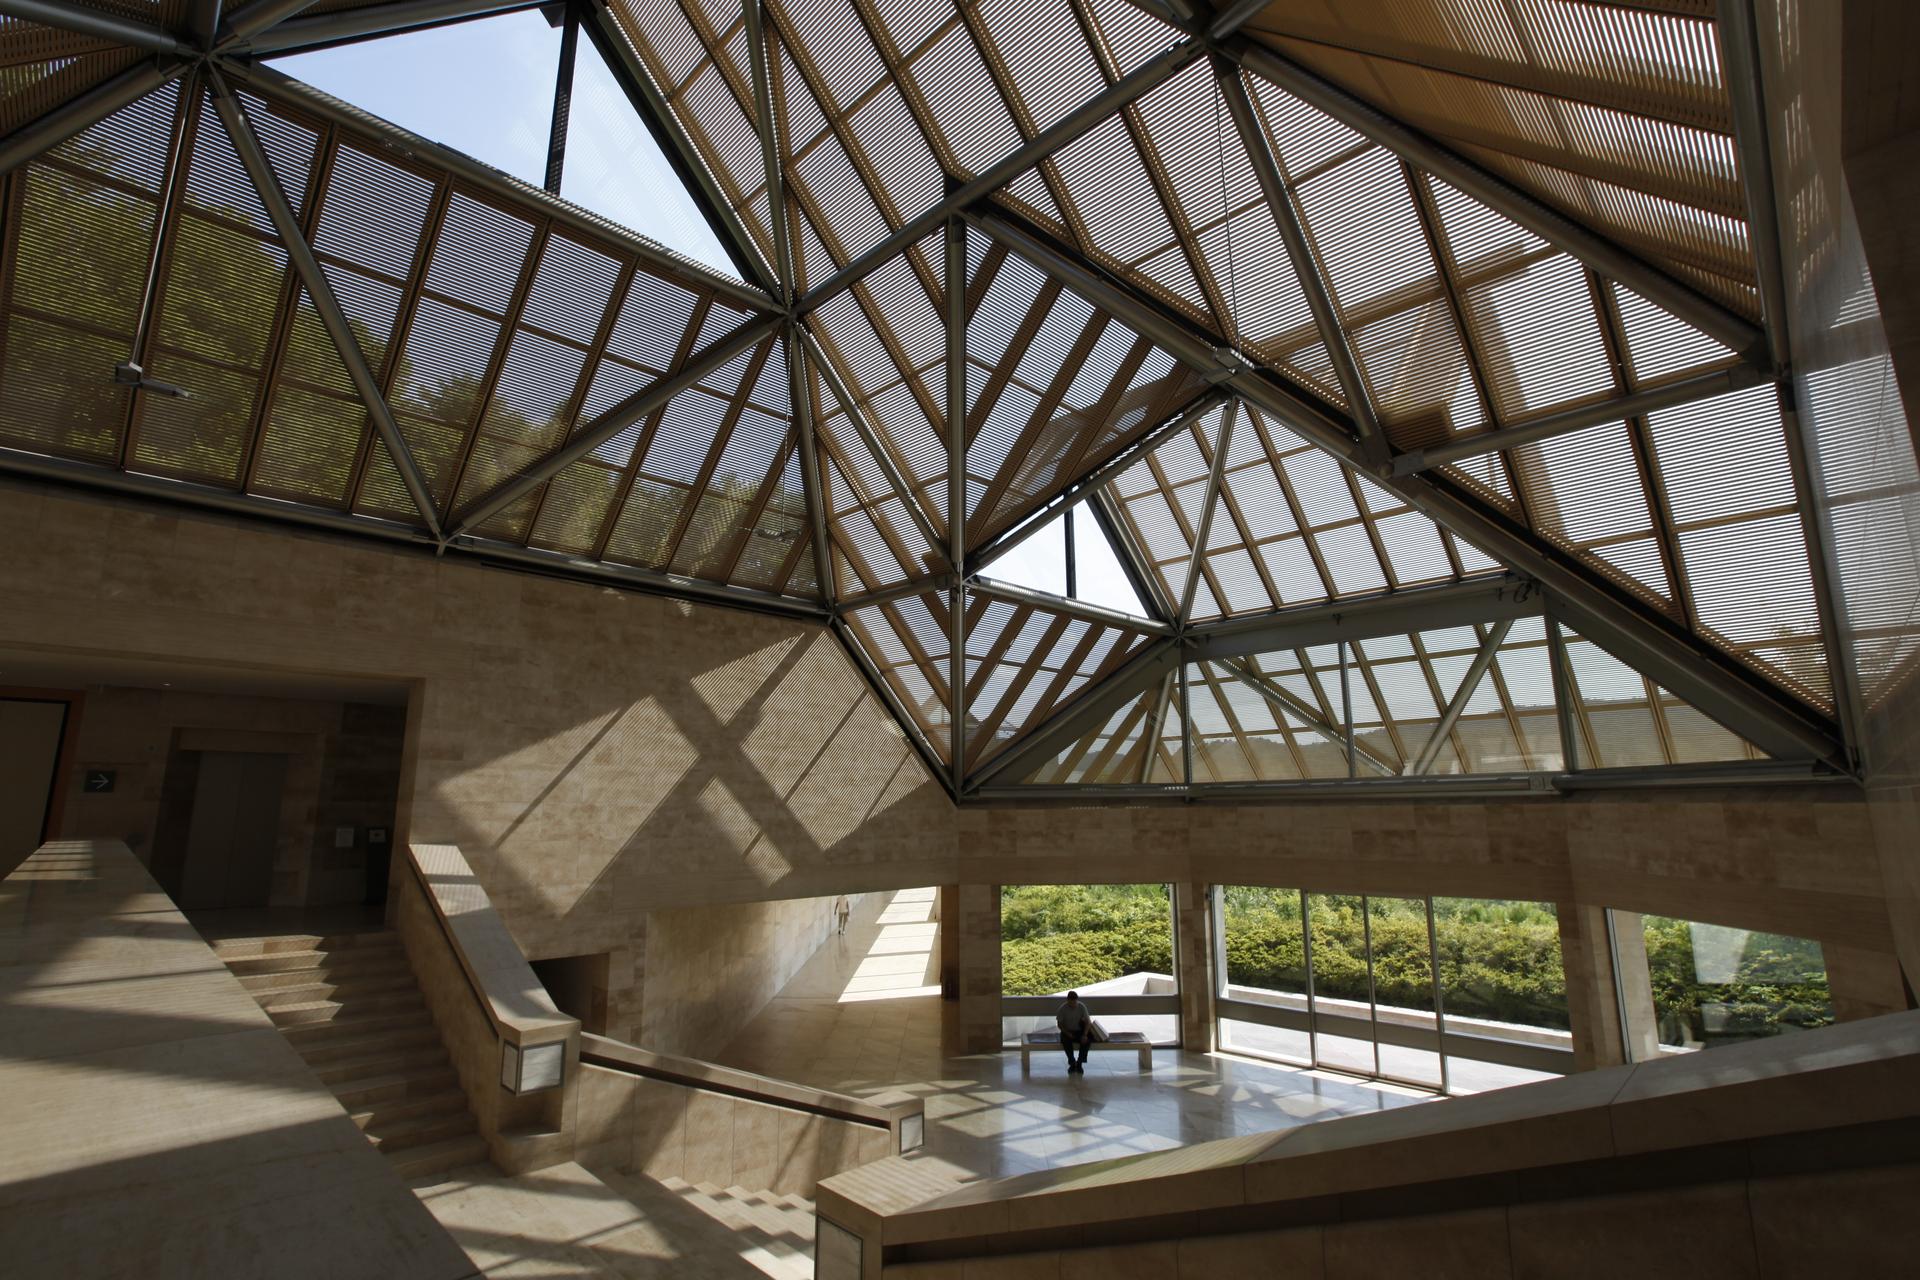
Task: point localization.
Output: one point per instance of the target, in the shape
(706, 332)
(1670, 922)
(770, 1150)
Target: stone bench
(1134, 1041)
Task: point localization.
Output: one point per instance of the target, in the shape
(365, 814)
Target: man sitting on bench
(1076, 1029)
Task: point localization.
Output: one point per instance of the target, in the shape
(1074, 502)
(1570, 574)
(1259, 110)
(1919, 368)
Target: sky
(498, 110)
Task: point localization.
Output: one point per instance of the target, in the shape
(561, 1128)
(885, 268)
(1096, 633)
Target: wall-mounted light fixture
(532, 1068)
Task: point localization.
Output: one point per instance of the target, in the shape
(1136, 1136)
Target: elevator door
(234, 830)
(29, 750)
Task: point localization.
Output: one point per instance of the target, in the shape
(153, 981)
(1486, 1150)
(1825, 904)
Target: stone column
(975, 1026)
(1593, 1007)
(1193, 965)
(1864, 984)
(1636, 987)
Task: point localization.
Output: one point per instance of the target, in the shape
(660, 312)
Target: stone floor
(864, 1016)
(565, 1221)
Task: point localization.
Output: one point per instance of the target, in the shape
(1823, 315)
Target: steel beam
(1300, 709)
(1598, 252)
(1766, 715)
(255, 18)
(954, 283)
(652, 107)
(1210, 499)
(82, 113)
(881, 455)
(1085, 713)
(1306, 268)
(203, 22)
(1145, 78)
(1564, 693)
(1062, 605)
(590, 436)
(1182, 418)
(369, 20)
(99, 24)
(1133, 560)
(909, 726)
(1387, 613)
(1469, 684)
(1740, 59)
(764, 128)
(935, 585)
(246, 144)
(212, 498)
(1435, 787)
(1703, 386)
(1229, 18)
(273, 84)
(811, 481)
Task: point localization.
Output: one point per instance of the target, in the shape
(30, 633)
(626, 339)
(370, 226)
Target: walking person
(842, 910)
(1076, 1031)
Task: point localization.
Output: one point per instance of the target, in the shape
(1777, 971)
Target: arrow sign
(99, 780)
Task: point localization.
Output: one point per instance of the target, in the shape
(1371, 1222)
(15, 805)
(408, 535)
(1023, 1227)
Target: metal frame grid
(1288, 298)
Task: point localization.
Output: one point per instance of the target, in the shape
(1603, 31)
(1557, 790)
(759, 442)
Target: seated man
(1076, 1030)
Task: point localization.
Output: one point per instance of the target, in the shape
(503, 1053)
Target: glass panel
(1343, 1008)
(1266, 964)
(1501, 984)
(1404, 1021)
(1714, 984)
(1102, 940)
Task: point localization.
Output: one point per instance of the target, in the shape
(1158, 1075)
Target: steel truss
(1543, 579)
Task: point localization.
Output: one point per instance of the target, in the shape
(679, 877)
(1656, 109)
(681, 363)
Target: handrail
(540, 1020)
(616, 1055)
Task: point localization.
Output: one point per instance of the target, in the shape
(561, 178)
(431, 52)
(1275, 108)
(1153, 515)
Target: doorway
(31, 731)
(233, 830)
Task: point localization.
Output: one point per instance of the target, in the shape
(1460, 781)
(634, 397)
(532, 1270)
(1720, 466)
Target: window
(1113, 943)
(1457, 994)
(1713, 984)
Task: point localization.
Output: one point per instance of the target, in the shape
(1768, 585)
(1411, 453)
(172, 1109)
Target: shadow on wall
(760, 767)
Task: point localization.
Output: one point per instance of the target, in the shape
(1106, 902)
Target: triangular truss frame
(219, 50)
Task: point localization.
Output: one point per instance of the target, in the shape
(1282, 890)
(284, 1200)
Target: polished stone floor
(864, 1016)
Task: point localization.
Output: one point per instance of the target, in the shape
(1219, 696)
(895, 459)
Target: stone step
(368, 1093)
(302, 1035)
(381, 1063)
(439, 1157)
(334, 1011)
(348, 992)
(423, 1130)
(230, 949)
(292, 967)
(382, 1114)
(318, 1053)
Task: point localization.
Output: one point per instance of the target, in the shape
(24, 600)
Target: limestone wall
(601, 756)
(721, 965)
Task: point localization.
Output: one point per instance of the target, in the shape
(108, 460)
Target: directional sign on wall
(100, 781)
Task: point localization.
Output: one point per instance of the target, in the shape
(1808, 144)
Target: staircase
(350, 1005)
(775, 1230)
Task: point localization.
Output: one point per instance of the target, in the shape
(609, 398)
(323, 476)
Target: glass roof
(1371, 302)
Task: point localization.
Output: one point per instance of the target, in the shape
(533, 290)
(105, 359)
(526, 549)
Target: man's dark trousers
(1068, 1042)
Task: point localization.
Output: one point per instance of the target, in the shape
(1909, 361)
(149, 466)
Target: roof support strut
(1299, 708)
(1286, 219)
(1469, 684)
(246, 145)
(611, 423)
(1742, 701)
(101, 25)
(1142, 80)
(955, 282)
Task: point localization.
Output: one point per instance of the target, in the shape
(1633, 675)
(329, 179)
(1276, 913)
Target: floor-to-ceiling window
(1113, 943)
(1460, 994)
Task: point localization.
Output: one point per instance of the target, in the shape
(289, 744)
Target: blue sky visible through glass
(486, 88)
